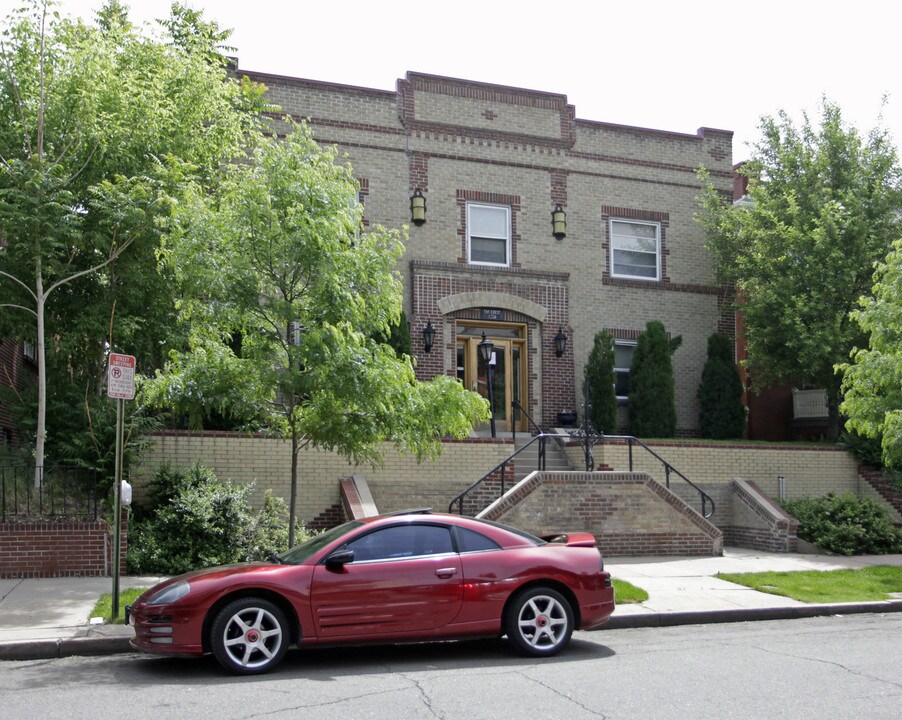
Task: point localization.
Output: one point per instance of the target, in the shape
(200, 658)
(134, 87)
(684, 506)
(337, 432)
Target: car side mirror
(340, 558)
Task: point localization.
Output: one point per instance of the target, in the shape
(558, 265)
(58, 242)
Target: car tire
(249, 636)
(538, 621)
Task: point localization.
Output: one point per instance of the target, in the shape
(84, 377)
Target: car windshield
(301, 552)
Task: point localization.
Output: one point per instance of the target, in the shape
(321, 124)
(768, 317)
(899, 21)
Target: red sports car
(409, 576)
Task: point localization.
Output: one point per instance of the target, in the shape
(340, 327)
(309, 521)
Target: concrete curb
(63, 647)
(100, 645)
(645, 620)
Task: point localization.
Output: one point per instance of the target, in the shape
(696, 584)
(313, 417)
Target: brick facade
(629, 513)
(460, 142)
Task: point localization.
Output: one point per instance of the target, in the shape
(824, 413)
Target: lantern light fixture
(428, 337)
(558, 223)
(486, 349)
(418, 207)
(560, 343)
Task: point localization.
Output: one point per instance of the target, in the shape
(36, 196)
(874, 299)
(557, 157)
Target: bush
(721, 412)
(194, 520)
(652, 398)
(599, 374)
(846, 524)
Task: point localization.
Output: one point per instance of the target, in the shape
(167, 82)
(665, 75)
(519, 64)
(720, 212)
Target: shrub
(721, 412)
(599, 374)
(652, 398)
(194, 520)
(845, 524)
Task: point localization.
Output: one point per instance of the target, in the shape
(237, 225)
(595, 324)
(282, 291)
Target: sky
(674, 66)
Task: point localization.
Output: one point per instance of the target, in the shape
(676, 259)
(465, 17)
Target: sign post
(121, 386)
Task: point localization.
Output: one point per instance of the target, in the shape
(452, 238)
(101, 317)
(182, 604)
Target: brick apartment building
(492, 164)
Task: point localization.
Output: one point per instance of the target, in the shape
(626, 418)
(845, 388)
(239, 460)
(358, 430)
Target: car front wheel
(538, 621)
(249, 636)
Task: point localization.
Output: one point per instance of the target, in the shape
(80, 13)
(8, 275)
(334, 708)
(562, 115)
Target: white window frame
(506, 238)
(613, 236)
(621, 343)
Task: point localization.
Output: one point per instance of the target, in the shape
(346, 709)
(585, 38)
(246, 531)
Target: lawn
(104, 606)
(625, 593)
(830, 586)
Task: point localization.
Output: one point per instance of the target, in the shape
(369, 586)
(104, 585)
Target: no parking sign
(121, 377)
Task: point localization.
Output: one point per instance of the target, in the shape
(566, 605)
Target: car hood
(212, 573)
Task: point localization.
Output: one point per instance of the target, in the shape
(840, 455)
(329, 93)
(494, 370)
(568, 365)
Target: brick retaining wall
(49, 548)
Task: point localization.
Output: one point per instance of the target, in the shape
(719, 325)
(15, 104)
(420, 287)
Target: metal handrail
(459, 499)
(668, 469)
(630, 440)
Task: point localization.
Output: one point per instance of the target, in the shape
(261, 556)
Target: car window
(471, 541)
(402, 541)
(301, 552)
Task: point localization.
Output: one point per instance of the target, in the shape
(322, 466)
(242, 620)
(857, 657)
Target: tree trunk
(42, 380)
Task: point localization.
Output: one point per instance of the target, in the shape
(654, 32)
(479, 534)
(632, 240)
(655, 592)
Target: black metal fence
(59, 492)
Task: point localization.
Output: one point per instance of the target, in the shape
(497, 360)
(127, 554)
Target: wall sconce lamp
(558, 223)
(560, 343)
(428, 337)
(417, 207)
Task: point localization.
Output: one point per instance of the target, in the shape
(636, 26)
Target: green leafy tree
(100, 125)
(277, 257)
(872, 382)
(599, 374)
(721, 412)
(824, 208)
(652, 397)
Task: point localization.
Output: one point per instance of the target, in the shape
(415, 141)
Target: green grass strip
(104, 606)
(825, 586)
(626, 593)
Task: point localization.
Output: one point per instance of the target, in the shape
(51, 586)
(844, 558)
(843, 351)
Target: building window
(623, 358)
(489, 234)
(635, 249)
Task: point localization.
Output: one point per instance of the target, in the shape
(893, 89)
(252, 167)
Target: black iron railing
(53, 492)
(588, 440)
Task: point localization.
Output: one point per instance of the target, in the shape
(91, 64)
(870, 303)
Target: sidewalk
(48, 618)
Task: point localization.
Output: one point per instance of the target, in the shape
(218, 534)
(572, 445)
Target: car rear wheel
(538, 621)
(249, 636)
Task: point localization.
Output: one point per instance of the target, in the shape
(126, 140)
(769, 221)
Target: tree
(99, 127)
(825, 207)
(721, 412)
(872, 382)
(289, 296)
(652, 398)
(599, 374)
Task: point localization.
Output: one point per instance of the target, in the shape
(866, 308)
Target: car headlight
(169, 594)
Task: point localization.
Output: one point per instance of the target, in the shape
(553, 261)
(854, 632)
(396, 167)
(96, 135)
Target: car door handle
(446, 572)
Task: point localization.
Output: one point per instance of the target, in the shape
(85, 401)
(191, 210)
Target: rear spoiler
(576, 539)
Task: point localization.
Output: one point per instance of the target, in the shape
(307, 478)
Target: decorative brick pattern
(48, 549)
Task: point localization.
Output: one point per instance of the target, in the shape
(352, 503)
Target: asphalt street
(829, 667)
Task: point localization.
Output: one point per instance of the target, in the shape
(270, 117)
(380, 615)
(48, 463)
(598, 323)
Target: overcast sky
(659, 64)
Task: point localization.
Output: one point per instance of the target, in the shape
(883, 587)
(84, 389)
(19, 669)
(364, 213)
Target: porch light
(417, 208)
(560, 343)
(486, 348)
(558, 223)
(428, 337)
